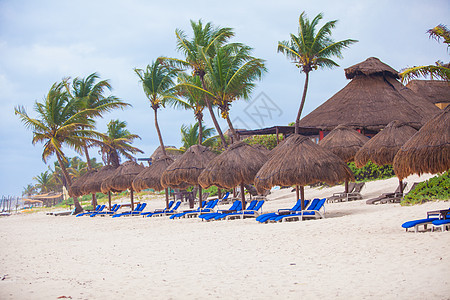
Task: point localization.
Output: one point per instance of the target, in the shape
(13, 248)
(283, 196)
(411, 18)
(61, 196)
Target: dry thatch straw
(150, 178)
(344, 142)
(382, 148)
(428, 151)
(187, 168)
(123, 177)
(370, 101)
(77, 186)
(261, 148)
(435, 91)
(171, 151)
(235, 166)
(300, 161)
(94, 183)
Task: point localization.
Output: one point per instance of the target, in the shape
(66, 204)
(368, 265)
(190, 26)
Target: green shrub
(436, 188)
(371, 171)
(269, 140)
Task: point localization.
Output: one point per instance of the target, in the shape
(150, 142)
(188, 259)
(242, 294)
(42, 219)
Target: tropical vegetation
(437, 187)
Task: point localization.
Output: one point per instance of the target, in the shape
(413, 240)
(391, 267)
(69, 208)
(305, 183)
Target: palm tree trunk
(305, 88)
(200, 130)
(233, 131)
(89, 165)
(77, 205)
(213, 116)
(159, 132)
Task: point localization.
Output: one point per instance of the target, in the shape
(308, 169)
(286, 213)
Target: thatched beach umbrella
(122, 178)
(93, 184)
(237, 165)
(344, 142)
(150, 178)
(372, 99)
(77, 186)
(299, 161)
(187, 168)
(427, 151)
(382, 148)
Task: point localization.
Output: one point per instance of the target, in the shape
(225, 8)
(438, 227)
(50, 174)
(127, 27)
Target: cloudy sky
(43, 41)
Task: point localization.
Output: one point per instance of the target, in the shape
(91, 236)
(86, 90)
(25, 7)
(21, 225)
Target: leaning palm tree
(194, 51)
(157, 82)
(439, 70)
(59, 122)
(117, 142)
(312, 49)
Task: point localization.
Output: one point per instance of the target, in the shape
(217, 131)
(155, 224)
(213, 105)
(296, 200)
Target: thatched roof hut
(344, 142)
(171, 151)
(299, 161)
(76, 188)
(187, 168)
(261, 148)
(150, 177)
(123, 177)
(427, 151)
(371, 100)
(435, 91)
(382, 148)
(94, 183)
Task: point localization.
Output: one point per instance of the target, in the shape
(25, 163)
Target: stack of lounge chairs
(354, 193)
(394, 197)
(438, 219)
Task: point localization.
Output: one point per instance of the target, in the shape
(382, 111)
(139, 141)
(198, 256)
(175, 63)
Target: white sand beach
(358, 251)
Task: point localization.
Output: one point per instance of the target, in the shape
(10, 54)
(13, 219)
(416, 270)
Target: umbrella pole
(400, 182)
(94, 200)
(219, 194)
(166, 190)
(297, 193)
(132, 200)
(346, 186)
(302, 196)
(109, 200)
(242, 196)
(200, 195)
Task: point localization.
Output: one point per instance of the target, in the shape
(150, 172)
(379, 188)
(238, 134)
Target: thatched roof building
(300, 161)
(171, 151)
(435, 91)
(123, 176)
(382, 148)
(427, 151)
(187, 168)
(76, 189)
(94, 183)
(371, 100)
(344, 142)
(150, 177)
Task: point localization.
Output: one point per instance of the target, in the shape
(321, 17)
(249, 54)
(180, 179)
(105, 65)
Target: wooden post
(234, 192)
(132, 200)
(94, 200)
(401, 186)
(346, 186)
(278, 140)
(302, 195)
(297, 195)
(242, 196)
(200, 195)
(109, 200)
(219, 194)
(166, 191)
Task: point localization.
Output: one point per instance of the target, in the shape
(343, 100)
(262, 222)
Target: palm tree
(45, 182)
(439, 70)
(195, 50)
(116, 142)
(312, 49)
(59, 122)
(157, 82)
(90, 95)
(190, 136)
(29, 190)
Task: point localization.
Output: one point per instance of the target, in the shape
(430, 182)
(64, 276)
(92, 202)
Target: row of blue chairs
(436, 222)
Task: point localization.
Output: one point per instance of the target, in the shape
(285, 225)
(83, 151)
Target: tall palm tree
(90, 94)
(439, 70)
(45, 182)
(28, 190)
(194, 51)
(312, 49)
(157, 82)
(190, 136)
(117, 142)
(59, 122)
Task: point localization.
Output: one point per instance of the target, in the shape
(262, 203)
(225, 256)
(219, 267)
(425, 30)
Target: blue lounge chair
(139, 208)
(247, 213)
(423, 222)
(236, 206)
(312, 211)
(165, 212)
(158, 210)
(285, 211)
(223, 215)
(113, 210)
(98, 208)
(443, 224)
(207, 207)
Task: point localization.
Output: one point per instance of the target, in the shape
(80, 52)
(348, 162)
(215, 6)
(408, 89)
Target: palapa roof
(123, 176)
(344, 142)
(76, 188)
(435, 91)
(187, 168)
(150, 177)
(427, 151)
(238, 164)
(171, 151)
(93, 184)
(382, 148)
(373, 98)
(300, 161)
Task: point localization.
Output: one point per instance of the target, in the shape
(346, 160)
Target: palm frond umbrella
(77, 185)
(299, 161)
(122, 178)
(236, 166)
(427, 151)
(150, 177)
(344, 142)
(187, 168)
(93, 184)
(382, 148)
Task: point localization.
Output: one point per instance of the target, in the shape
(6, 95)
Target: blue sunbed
(139, 208)
(266, 217)
(312, 211)
(98, 208)
(159, 210)
(113, 210)
(236, 206)
(165, 212)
